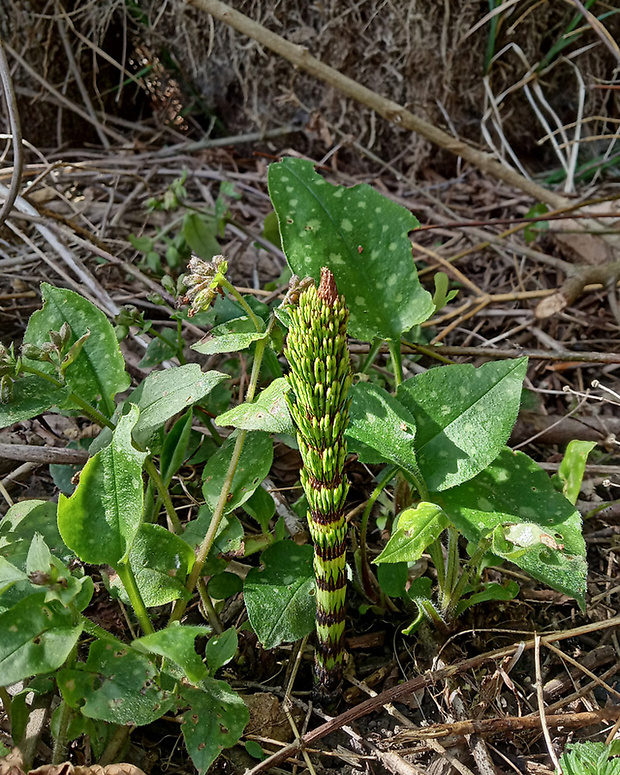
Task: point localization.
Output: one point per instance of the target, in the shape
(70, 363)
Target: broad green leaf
(224, 585)
(542, 530)
(9, 574)
(177, 644)
(19, 526)
(215, 720)
(200, 236)
(221, 649)
(252, 747)
(115, 684)
(35, 637)
(492, 591)
(31, 396)
(268, 413)
(417, 528)
(271, 230)
(161, 562)
(464, 416)
(174, 449)
(98, 373)
(253, 467)
(573, 466)
(165, 393)
(362, 237)
(392, 578)
(279, 597)
(591, 758)
(100, 520)
(232, 336)
(261, 507)
(381, 422)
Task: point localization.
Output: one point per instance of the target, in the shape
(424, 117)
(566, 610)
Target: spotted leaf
(362, 237)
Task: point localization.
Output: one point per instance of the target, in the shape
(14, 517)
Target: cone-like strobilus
(320, 377)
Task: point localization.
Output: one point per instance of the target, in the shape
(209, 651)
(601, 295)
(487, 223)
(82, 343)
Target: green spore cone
(320, 377)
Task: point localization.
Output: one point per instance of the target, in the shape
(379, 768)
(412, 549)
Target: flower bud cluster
(203, 282)
(52, 351)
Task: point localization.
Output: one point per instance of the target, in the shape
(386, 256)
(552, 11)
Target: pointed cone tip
(327, 290)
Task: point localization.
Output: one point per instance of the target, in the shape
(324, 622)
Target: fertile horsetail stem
(320, 377)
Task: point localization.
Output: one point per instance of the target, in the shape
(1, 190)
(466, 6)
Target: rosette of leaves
(320, 377)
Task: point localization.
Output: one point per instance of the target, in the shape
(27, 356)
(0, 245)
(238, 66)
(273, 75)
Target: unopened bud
(6, 389)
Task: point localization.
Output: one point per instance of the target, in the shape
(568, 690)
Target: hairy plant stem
(60, 740)
(180, 343)
(367, 576)
(465, 577)
(452, 569)
(164, 495)
(59, 751)
(115, 744)
(126, 575)
(207, 543)
(258, 323)
(209, 610)
(372, 354)
(397, 361)
(435, 550)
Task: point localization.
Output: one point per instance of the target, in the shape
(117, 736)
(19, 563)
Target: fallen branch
(35, 454)
(572, 288)
(493, 352)
(6, 85)
(494, 726)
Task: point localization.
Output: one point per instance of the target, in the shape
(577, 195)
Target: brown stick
(492, 352)
(33, 454)
(392, 111)
(494, 726)
(556, 429)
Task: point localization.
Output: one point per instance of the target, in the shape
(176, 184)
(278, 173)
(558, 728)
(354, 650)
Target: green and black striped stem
(320, 377)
